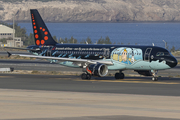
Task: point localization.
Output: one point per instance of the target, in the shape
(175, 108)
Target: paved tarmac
(43, 97)
(130, 85)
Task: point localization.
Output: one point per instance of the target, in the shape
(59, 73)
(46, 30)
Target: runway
(43, 97)
(130, 85)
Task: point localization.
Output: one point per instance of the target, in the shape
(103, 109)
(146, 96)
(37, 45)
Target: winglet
(9, 54)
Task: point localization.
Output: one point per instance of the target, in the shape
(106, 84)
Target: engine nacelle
(98, 69)
(145, 72)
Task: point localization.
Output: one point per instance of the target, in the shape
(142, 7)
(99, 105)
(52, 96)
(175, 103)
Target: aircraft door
(106, 53)
(147, 54)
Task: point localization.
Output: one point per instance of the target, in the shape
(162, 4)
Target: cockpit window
(162, 54)
(166, 54)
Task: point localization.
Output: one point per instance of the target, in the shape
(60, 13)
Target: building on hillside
(6, 32)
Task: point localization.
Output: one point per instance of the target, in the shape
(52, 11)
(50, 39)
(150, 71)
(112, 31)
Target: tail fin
(41, 33)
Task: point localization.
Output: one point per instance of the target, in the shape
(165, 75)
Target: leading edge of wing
(68, 59)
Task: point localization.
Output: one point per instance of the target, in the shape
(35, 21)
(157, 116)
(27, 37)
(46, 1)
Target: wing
(82, 61)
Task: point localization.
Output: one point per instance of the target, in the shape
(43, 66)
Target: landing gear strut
(154, 73)
(85, 76)
(119, 75)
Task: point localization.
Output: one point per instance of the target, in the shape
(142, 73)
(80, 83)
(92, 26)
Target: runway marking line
(123, 81)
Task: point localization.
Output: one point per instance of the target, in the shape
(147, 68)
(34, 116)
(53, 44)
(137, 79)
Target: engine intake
(98, 69)
(144, 72)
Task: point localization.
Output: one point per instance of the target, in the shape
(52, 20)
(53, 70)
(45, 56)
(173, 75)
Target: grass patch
(170, 76)
(178, 76)
(34, 72)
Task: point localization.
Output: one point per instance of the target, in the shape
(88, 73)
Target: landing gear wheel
(154, 79)
(88, 76)
(119, 75)
(83, 76)
(122, 76)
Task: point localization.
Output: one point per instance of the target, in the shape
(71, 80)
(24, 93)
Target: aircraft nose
(172, 62)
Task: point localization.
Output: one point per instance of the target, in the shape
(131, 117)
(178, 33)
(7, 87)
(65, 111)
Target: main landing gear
(85, 76)
(119, 75)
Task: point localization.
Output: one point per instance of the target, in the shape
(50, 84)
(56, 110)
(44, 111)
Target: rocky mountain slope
(94, 10)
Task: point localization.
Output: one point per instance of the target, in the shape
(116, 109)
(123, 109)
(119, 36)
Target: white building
(16, 43)
(6, 32)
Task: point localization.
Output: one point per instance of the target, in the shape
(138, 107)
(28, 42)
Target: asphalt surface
(131, 85)
(116, 117)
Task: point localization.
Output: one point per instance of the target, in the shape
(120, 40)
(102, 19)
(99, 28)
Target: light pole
(13, 31)
(14, 27)
(165, 43)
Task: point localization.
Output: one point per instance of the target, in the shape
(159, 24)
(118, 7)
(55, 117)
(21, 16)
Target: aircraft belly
(156, 65)
(117, 66)
(139, 65)
(146, 65)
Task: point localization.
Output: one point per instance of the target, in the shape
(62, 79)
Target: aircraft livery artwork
(96, 60)
(127, 55)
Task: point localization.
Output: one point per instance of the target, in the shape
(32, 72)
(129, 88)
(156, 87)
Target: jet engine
(145, 72)
(98, 69)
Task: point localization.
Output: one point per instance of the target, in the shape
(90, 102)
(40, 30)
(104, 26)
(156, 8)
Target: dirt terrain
(94, 10)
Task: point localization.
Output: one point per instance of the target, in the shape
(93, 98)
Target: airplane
(94, 59)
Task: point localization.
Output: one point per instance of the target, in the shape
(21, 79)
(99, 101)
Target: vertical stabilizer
(41, 33)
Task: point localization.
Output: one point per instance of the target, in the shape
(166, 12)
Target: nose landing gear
(154, 73)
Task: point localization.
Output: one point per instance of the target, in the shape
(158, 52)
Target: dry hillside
(94, 10)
